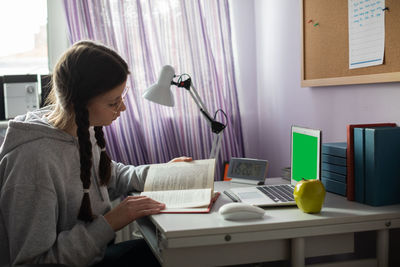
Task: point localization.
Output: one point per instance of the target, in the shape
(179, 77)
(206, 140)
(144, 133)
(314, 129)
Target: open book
(182, 186)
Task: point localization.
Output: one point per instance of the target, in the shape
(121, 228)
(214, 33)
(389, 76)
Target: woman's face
(104, 109)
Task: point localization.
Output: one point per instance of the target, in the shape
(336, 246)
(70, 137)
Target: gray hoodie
(41, 193)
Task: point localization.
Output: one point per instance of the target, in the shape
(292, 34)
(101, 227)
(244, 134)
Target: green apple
(309, 195)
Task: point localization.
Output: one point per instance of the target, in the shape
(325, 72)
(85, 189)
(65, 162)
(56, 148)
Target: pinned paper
(366, 33)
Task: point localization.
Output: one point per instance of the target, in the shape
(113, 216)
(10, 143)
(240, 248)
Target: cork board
(325, 47)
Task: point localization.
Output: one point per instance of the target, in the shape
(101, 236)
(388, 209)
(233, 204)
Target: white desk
(283, 233)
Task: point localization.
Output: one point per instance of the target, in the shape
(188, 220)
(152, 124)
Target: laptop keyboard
(278, 193)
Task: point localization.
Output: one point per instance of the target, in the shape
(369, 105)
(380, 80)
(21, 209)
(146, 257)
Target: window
(23, 31)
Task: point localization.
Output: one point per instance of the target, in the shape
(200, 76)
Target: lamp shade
(160, 92)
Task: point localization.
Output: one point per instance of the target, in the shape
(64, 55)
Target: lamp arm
(216, 127)
(199, 103)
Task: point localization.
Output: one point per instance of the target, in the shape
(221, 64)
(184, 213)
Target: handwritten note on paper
(366, 33)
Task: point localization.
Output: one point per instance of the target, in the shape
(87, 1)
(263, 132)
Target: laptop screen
(305, 156)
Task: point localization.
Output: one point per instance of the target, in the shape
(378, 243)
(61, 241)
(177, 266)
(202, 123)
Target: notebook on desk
(305, 163)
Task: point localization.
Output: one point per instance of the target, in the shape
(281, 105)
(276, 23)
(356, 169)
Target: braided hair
(86, 70)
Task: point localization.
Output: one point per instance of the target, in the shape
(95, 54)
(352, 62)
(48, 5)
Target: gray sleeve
(126, 178)
(30, 214)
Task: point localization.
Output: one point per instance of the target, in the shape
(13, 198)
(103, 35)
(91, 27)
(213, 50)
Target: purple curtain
(192, 36)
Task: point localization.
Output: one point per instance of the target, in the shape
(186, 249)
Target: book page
(195, 174)
(173, 199)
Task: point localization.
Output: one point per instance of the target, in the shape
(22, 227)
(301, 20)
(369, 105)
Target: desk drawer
(258, 251)
(329, 245)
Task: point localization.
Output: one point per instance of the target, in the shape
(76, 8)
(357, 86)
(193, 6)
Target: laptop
(305, 163)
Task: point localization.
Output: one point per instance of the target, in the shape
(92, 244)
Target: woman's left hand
(181, 159)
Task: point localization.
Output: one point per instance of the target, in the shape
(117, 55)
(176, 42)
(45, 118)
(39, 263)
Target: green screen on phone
(305, 157)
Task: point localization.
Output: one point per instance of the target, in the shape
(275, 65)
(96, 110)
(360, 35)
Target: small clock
(245, 170)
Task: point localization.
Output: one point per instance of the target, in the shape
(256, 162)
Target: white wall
(281, 100)
(244, 45)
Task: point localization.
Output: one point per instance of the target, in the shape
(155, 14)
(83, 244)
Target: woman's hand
(130, 209)
(180, 159)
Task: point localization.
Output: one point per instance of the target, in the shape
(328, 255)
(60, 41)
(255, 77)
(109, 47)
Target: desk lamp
(161, 93)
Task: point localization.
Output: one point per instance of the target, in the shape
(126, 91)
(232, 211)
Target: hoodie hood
(41, 195)
(31, 127)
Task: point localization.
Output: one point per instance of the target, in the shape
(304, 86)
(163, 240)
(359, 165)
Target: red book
(350, 153)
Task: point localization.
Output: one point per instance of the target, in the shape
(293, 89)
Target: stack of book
(350, 153)
(377, 165)
(334, 169)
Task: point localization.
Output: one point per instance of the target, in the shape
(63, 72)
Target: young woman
(56, 179)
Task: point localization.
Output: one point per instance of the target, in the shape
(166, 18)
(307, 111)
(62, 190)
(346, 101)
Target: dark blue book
(334, 176)
(359, 169)
(334, 186)
(334, 168)
(359, 163)
(333, 159)
(335, 149)
(382, 166)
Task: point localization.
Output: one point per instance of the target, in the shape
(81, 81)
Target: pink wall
(277, 101)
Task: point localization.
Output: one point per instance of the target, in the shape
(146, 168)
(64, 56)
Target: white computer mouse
(240, 211)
